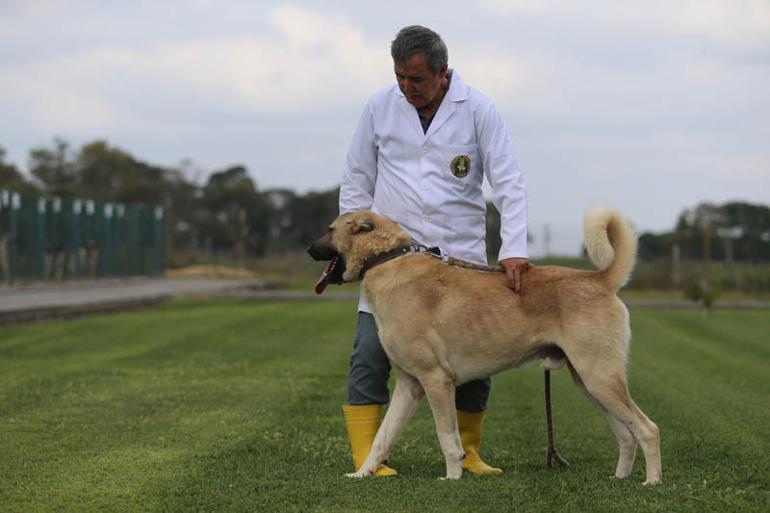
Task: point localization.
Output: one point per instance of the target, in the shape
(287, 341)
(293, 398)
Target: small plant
(698, 292)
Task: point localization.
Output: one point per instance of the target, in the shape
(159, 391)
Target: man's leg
(369, 365)
(367, 391)
(471, 402)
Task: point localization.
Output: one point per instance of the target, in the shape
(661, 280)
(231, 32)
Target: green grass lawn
(233, 406)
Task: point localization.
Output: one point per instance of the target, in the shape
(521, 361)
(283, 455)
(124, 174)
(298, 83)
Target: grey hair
(416, 39)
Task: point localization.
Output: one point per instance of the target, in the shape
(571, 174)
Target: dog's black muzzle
(321, 251)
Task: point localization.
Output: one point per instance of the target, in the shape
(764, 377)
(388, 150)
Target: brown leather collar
(432, 251)
(384, 257)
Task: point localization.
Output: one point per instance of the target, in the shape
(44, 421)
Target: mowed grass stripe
(706, 338)
(142, 384)
(710, 407)
(707, 371)
(231, 406)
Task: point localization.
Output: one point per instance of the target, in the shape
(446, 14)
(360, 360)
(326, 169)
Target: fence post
(76, 240)
(90, 234)
(159, 243)
(119, 240)
(6, 236)
(38, 221)
(15, 209)
(106, 253)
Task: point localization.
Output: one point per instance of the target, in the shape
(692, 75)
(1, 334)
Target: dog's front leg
(440, 390)
(405, 400)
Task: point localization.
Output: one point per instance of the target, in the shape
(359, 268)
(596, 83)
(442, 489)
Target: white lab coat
(396, 170)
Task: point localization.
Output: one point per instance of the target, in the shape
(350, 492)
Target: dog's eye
(331, 229)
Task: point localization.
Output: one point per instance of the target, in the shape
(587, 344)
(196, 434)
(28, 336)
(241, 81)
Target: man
(418, 157)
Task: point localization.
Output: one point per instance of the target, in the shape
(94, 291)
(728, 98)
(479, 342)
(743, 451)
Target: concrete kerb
(45, 301)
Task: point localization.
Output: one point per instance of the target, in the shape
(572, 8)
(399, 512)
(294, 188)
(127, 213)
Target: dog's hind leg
(440, 391)
(626, 439)
(403, 404)
(605, 382)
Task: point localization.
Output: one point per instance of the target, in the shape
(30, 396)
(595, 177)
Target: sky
(651, 106)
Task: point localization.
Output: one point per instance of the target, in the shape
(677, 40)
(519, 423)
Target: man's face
(418, 83)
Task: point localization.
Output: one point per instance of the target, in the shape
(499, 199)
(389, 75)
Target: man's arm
(360, 173)
(509, 194)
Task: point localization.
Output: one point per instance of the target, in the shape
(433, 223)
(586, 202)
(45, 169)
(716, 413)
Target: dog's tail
(611, 245)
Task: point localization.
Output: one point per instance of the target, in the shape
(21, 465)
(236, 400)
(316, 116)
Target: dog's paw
(452, 477)
(362, 472)
(652, 482)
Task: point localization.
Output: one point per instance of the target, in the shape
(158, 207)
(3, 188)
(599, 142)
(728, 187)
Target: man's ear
(361, 225)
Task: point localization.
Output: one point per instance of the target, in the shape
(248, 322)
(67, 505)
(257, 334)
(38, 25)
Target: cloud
(303, 62)
(501, 76)
(47, 97)
(742, 24)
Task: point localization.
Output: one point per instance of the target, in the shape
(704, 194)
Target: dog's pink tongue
(323, 280)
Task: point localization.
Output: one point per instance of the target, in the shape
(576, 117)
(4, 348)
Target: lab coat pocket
(461, 163)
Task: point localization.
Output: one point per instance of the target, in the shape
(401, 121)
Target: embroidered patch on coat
(460, 166)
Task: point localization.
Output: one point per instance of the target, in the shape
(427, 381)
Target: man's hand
(514, 268)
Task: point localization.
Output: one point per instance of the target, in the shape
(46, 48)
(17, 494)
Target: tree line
(732, 232)
(227, 213)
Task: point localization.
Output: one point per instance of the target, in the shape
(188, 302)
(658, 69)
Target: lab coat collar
(457, 92)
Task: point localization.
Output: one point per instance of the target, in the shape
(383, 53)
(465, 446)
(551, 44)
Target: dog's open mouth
(332, 274)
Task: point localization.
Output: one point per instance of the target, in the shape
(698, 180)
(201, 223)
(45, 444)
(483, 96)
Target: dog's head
(351, 240)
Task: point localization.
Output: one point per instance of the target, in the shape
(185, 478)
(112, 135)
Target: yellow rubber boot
(469, 425)
(362, 422)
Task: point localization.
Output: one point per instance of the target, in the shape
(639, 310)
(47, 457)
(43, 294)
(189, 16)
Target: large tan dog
(442, 325)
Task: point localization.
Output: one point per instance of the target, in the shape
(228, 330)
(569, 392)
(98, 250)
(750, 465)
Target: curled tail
(611, 245)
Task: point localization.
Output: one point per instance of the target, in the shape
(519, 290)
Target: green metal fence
(65, 238)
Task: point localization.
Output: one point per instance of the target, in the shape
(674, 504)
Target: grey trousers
(370, 368)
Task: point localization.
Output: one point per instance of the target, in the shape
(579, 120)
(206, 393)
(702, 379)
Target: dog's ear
(361, 225)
